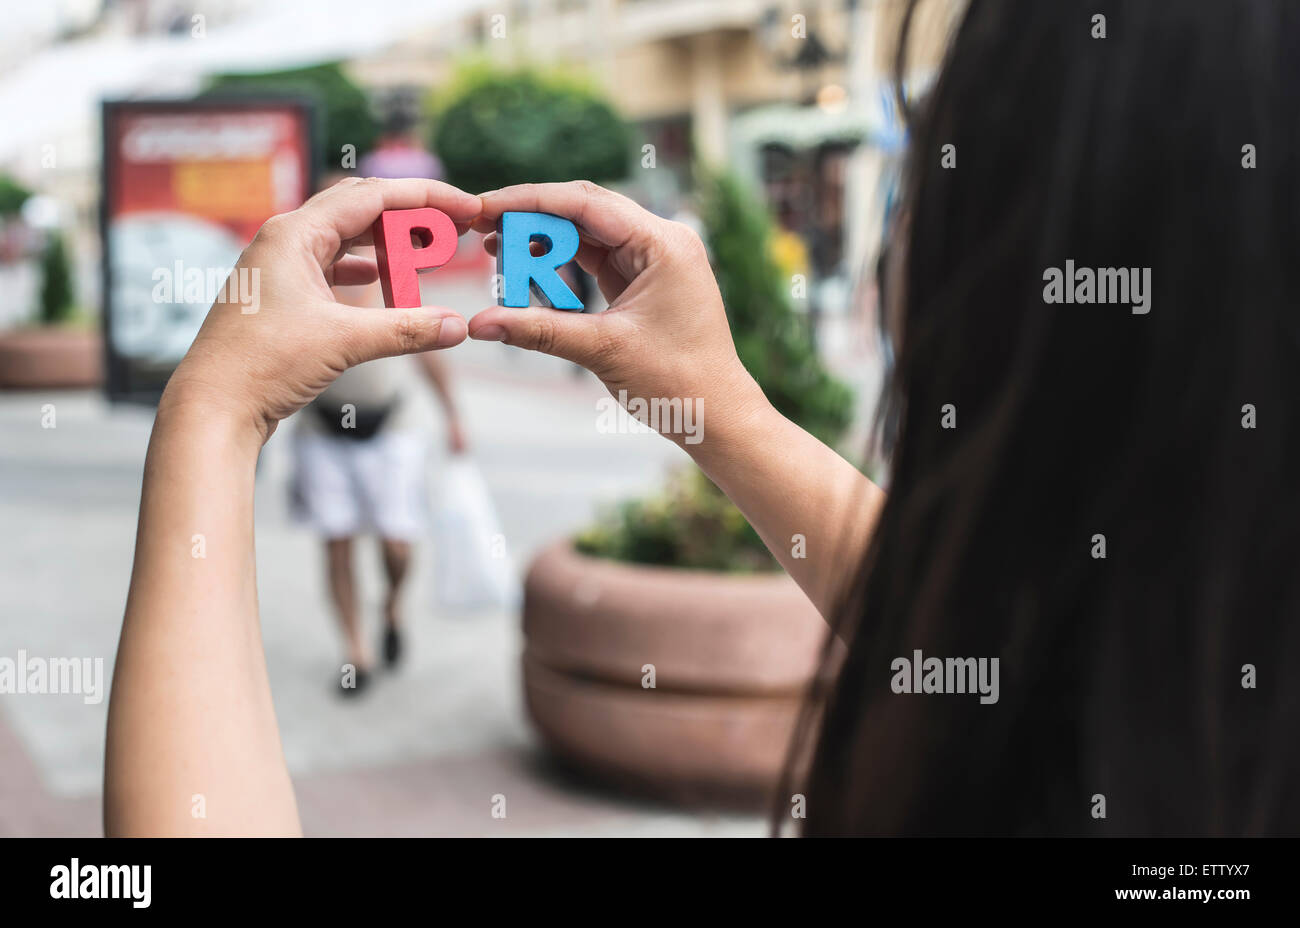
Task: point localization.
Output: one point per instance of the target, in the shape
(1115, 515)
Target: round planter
(732, 657)
(50, 358)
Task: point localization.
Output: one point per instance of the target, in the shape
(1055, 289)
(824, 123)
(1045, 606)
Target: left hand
(259, 364)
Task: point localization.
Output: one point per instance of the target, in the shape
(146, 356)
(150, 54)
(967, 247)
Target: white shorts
(343, 487)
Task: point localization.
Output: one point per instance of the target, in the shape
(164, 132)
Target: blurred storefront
(795, 96)
(792, 93)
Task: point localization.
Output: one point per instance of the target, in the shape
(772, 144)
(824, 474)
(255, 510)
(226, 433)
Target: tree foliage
(494, 128)
(343, 114)
(12, 196)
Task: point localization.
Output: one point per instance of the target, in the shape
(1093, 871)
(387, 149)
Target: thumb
(380, 333)
(577, 337)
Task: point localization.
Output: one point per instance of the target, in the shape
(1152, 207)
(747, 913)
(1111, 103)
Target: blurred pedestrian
(399, 152)
(360, 467)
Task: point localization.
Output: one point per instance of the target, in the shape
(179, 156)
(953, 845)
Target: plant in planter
(59, 351)
(57, 305)
(663, 645)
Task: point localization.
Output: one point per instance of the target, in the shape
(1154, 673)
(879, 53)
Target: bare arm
(435, 369)
(191, 724)
(814, 510)
(665, 337)
(440, 378)
(191, 721)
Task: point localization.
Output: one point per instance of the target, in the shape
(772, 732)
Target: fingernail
(485, 194)
(452, 332)
(490, 333)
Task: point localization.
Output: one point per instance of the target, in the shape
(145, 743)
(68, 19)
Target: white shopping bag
(473, 570)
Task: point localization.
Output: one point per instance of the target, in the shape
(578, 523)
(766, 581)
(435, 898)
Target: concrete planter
(50, 358)
(732, 655)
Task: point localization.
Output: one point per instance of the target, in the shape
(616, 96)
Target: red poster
(186, 186)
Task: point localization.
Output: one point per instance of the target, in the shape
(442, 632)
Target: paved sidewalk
(426, 749)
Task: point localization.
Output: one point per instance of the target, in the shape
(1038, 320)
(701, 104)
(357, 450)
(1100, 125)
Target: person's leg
(325, 497)
(343, 592)
(394, 475)
(397, 561)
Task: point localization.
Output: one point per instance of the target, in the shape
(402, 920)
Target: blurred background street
(145, 140)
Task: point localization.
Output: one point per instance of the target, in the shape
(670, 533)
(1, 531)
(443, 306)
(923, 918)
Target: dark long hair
(1157, 686)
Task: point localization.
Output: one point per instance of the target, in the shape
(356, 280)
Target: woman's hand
(191, 712)
(665, 335)
(263, 361)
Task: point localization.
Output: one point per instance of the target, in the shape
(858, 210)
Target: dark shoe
(392, 646)
(360, 680)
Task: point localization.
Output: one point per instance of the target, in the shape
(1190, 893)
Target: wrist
(205, 415)
(733, 412)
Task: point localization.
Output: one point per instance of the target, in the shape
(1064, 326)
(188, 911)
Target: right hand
(665, 334)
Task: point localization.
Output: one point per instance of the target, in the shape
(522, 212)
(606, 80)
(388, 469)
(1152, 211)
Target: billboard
(186, 185)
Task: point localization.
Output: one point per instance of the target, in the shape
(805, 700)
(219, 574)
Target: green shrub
(693, 524)
(12, 196)
(494, 128)
(56, 287)
(343, 115)
(690, 524)
(773, 341)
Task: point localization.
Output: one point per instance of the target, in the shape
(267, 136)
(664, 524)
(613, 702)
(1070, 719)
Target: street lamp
(812, 52)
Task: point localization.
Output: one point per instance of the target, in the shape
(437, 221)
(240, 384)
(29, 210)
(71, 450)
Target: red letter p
(401, 259)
